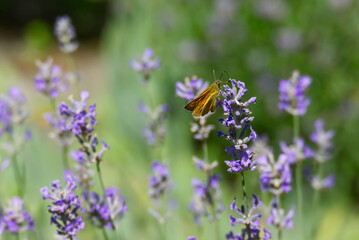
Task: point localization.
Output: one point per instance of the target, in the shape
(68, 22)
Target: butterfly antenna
(214, 74)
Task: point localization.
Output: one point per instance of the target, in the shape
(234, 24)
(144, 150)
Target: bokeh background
(258, 42)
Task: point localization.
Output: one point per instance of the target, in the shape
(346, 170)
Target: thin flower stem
(298, 171)
(17, 236)
(104, 191)
(18, 176)
(205, 151)
(104, 233)
(65, 159)
(216, 227)
(316, 199)
(278, 207)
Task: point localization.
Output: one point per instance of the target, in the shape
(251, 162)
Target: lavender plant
(292, 99)
(64, 209)
(276, 177)
(321, 154)
(15, 219)
(65, 34)
(145, 64)
(250, 220)
(12, 117)
(206, 200)
(80, 120)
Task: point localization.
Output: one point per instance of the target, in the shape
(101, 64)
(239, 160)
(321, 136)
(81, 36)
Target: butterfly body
(206, 101)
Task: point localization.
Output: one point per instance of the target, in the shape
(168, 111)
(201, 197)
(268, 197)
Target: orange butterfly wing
(205, 102)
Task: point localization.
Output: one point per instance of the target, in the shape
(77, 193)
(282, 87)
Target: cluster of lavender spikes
(145, 64)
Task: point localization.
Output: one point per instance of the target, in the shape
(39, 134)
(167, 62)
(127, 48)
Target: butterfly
(206, 101)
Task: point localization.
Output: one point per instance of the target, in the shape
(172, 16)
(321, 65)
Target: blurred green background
(258, 42)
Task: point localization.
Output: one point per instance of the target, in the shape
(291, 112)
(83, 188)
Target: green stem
(298, 171)
(65, 159)
(104, 191)
(18, 176)
(104, 234)
(216, 227)
(205, 151)
(17, 236)
(316, 199)
(278, 207)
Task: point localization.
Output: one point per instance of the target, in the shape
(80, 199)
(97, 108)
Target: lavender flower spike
(297, 152)
(323, 140)
(292, 94)
(4, 163)
(191, 87)
(48, 79)
(15, 218)
(249, 220)
(65, 33)
(275, 176)
(65, 207)
(278, 219)
(99, 212)
(145, 64)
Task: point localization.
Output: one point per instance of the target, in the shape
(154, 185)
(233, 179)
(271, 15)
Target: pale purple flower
(82, 175)
(201, 130)
(15, 219)
(249, 220)
(323, 140)
(288, 39)
(145, 64)
(159, 185)
(278, 218)
(319, 183)
(274, 10)
(65, 209)
(292, 96)
(99, 213)
(260, 147)
(191, 238)
(297, 152)
(48, 79)
(191, 87)
(243, 160)
(340, 5)
(158, 182)
(60, 129)
(275, 176)
(65, 33)
(156, 131)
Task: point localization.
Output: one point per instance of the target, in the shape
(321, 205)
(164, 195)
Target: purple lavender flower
(191, 87)
(275, 176)
(297, 152)
(82, 175)
(243, 160)
(323, 141)
(48, 79)
(292, 94)
(99, 214)
(319, 183)
(237, 121)
(250, 220)
(65, 207)
(158, 182)
(201, 130)
(156, 131)
(60, 129)
(278, 218)
(159, 185)
(12, 115)
(15, 219)
(206, 200)
(260, 147)
(145, 64)
(65, 33)
(191, 238)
